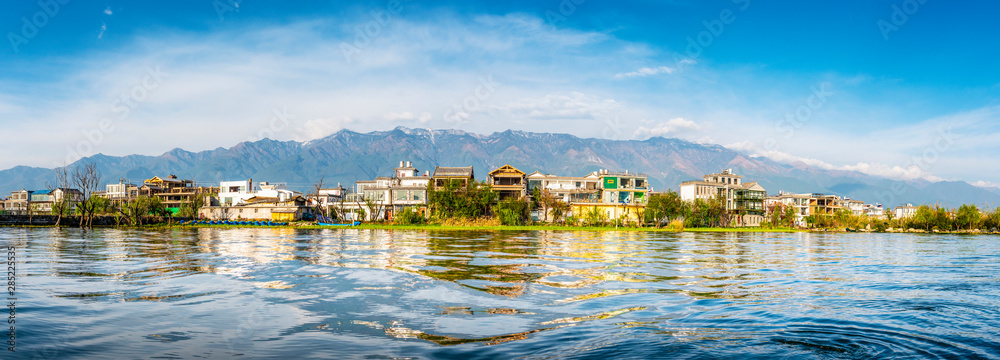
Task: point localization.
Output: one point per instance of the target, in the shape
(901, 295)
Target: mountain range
(346, 156)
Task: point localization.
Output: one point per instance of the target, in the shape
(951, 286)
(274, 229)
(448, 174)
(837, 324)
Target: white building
(800, 202)
(902, 212)
(387, 196)
(568, 188)
(232, 193)
(740, 197)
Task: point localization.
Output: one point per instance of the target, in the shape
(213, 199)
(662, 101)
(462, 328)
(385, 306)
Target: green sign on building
(610, 182)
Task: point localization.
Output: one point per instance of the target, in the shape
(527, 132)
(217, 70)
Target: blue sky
(901, 89)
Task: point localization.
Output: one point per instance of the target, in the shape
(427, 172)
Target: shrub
(595, 217)
(410, 216)
(676, 225)
(512, 211)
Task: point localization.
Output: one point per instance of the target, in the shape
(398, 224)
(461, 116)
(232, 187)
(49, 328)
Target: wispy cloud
(671, 127)
(407, 116)
(895, 172)
(107, 11)
(104, 27)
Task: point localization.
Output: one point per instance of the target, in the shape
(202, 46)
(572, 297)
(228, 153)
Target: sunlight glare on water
(268, 293)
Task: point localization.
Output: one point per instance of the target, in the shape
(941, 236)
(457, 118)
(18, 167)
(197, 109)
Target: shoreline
(517, 228)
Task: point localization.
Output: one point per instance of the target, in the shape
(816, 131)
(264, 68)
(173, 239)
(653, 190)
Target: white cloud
(103, 28)
(408, 116)
(986, 184)
(671, 127)
(647, 71)
(318, 128)
(575, 105)
(895, 172)
(107, 11)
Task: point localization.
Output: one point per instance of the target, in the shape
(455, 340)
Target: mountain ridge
(347, 156)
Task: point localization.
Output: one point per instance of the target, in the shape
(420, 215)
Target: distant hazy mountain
(347, 156)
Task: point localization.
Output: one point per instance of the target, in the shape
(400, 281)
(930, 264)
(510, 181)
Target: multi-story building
(569, 189)
(623, 195)
(174, 192)
(43, 201)
(822, 204)
(743, 199)
(19, 202)
(328, 196)
(121, 192)
(232, 193)
(385, 196)
(443, 175)
(260, 208)
(906, 211)
(508, 182)
(800, 202)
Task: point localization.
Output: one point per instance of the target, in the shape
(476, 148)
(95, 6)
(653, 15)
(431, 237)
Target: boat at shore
(327, 221)
(356, 223)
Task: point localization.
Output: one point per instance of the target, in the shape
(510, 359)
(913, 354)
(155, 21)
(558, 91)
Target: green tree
(190, 209)
(788, 219)
(924, 218)
(512, 211)
(595, 217)
(410, 216)
(662, 208)
(473, 200)
(968, 217)
(991, 222)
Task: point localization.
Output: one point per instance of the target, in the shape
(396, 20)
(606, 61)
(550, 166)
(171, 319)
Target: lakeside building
(569, 189)
(122, 192)
(822, 204)
(383, 197)
(800, 202)
(247, 200)
(327, 197)
(42, 201)
(508, 182)
(19, 202)
(746, 200)
(622, 195)
(234, 193)
(174, 192)
(260, 208)
(443, 175)
(905, 211)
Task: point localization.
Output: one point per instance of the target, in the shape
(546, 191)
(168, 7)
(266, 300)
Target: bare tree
(375, 207)
(59, 206)
(87, 178)
(320, 206)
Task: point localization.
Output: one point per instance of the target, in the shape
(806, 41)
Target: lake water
(380, 294)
